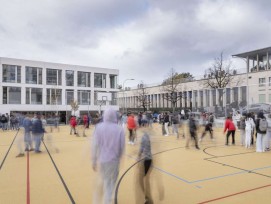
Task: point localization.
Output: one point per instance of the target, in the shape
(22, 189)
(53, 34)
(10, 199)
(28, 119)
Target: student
(230, 127)
(146, 156)
(242, 130)
(107, 149)
(208, 128)
(193, 132)
(261, 128)
(73, 124)
(249, 126)
(37, 132)
(131, 125)
(166, 122)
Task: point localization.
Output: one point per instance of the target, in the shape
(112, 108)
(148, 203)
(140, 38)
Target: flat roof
(253, 54)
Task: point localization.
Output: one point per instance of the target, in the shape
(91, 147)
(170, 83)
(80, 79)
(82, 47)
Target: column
(240, 94)
(216, 97)
(211, 98)
(224, 97)
(204, 97)
(199, 99)
(194, 99)
(232, 95)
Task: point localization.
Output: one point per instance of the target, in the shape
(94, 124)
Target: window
(53, 76)
(114, 98)
(269, 98)
(11, 95)
(69, 96)
(33, 75)
(54, 96)
(269, 81)
(113, 81)
(261, 98)
(261, 82)
(83, 97)
(33, 96)
(83, 79)
(11, 73)
(99, 80)
(69, 78)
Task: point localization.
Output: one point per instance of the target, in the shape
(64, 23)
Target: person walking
(242, 129)
(175, 125)
(166, 122)
(27, 124)
(145, 156)
(193, 132)
(107, 149)
(73, 124)
(230, 128)
(208, 128)
(131, 126)
(261, 128)
(37, 132)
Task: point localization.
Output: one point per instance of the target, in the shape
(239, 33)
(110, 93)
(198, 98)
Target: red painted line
(28, 182)
(208, 201)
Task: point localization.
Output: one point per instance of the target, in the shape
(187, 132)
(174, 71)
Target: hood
(110, 115)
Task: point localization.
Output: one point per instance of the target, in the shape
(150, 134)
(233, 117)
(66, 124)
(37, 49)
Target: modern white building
(30, 86)
(252, 85)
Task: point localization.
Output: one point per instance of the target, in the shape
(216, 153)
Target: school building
(30, 86)
(251, 84)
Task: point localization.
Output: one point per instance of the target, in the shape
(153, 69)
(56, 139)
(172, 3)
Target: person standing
(73, 124)
(107, 149)
(175, 125)
(230, 128)
(249, 126)
(242, 130)
(37, 132)
(261, 128)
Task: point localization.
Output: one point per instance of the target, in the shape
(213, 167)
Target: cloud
(144, 39)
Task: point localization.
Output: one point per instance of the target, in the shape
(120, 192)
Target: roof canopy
(253, 54)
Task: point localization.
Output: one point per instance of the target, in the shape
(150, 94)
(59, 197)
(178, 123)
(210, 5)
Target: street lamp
(124, 99)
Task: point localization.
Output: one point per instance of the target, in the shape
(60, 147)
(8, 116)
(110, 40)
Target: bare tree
(142, 96)
(220, 74)
(171, 87)
(74, 106)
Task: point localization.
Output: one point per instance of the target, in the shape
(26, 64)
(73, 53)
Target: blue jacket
(37, 127)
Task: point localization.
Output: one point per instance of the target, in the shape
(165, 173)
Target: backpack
(263, 124)
(242, 124)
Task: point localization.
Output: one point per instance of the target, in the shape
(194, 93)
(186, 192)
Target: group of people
(9, 122)
(34, 129)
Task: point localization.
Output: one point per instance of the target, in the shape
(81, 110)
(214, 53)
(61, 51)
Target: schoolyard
(62, 173)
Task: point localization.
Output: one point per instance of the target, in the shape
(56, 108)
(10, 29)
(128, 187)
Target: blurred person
(207, 128)
(85, 121)
(73, 124)
(166, 122)
(211, 119)
(4, 122)
(124, 120)
(37, 132)
(131, 126)
(27, 125)
(8, 121)
(261, 129)
(107, 149)
(145, 167)
(193, 132)
(242, 130)
(249, 126)
(175, 125)
(230, 128)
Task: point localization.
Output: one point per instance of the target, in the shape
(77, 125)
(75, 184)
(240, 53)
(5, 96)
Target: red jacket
(229, 125)
(131, 123)
(73, 122)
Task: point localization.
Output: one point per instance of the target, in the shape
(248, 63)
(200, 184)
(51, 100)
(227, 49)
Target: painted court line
(234, 194)
(28, 181)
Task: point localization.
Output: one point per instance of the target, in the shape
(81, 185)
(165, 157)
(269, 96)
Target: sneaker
(166, 135)
(38, 151)
(31, 149)
(20, 155)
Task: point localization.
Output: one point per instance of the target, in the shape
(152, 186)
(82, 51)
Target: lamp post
(124, 99)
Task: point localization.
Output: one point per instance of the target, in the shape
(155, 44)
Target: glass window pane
(14, 95)
(69, 78)
(36, 96)
(51, 76)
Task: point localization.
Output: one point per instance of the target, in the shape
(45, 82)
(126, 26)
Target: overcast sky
(144, 39)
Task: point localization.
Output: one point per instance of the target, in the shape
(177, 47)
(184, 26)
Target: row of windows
(12, 74)
(12, 95)
(262, 82)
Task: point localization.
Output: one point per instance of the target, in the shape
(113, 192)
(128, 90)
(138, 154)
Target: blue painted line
(266, 167)
(177, 177)
(217, 177)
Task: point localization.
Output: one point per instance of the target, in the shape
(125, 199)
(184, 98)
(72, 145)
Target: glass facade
(54, 96)
(83, 79)
(33, 75)
(113, 81)
(11, 73)
(11, 95)
(69, 96)
(33, 96)
(69, 78)
(99, 80)
(53, 76)
(83, 97)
